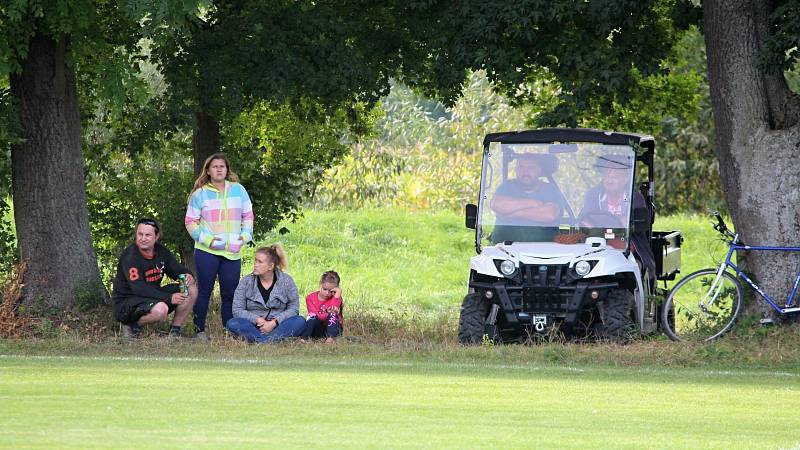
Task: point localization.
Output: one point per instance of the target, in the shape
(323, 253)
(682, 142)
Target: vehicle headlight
(582, 267)
(507, 267)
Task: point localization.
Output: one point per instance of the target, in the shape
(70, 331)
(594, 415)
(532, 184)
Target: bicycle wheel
(693, 312)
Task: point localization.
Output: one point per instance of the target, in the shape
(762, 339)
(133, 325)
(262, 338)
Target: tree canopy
(47, 48)
(281, 87)
(597, 51)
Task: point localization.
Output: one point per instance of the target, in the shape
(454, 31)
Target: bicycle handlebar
(721, 227)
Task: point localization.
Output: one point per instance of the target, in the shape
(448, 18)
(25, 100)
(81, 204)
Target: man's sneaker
(202, 336)
(130, 332)
(174, 335)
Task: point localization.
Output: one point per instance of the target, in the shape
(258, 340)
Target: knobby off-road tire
(683, 318)
(471, 322)
(617, 324)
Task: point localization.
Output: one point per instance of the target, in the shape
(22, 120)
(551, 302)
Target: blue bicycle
(705, 304)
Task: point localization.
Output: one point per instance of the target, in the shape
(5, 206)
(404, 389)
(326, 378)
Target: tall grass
(402, 272)
(389, 259)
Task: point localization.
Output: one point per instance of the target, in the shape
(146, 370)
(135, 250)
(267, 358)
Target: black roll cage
(643, 143)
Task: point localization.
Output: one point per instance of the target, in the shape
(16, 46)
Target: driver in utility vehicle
(527, 201)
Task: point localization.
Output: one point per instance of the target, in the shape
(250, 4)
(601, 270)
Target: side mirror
(471, 215)
(641, 220)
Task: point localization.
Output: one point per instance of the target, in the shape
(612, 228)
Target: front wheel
(696, 310)
(471, 322)
(616, 315)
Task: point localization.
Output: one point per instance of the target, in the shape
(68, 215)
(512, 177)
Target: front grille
(545, 299)
(545, 289)
(545, 275)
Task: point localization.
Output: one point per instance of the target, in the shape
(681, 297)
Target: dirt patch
(94, 325)
(13, 324)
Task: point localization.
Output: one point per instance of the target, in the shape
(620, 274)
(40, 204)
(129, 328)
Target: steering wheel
(599, 219)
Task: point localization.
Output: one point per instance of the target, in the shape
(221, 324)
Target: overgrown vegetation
(139, 166)
(13, 324)
(427, 156)
(424, 155)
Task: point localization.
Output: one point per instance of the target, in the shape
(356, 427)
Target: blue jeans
(243, 328)
(209, 267)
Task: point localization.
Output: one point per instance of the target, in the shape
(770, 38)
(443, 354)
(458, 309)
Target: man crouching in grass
(138, 296)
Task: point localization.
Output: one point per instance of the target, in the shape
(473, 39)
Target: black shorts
(129, 310)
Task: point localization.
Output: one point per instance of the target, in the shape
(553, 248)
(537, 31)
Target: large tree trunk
(756, 118)
(50, 211)
(205, 142)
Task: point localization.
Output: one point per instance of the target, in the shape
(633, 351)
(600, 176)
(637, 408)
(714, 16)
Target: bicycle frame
(789, 307)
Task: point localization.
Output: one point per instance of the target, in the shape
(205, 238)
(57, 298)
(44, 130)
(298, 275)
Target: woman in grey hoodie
(266, 303)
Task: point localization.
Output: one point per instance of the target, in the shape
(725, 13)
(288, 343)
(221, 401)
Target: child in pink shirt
(324, 319)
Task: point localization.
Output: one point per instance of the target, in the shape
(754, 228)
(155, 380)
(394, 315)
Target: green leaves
(779, 52)
(587, 46)
(281, 155)
(153, 182)
(20, 19)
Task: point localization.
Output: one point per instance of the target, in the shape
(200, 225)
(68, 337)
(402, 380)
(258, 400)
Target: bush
(427, 156)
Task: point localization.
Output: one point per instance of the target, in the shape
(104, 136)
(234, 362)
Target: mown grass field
(400, 380)
(292, 398)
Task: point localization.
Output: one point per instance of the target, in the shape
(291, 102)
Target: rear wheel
(471, 322)
(698, 311)
(666, 317)
(616, 315)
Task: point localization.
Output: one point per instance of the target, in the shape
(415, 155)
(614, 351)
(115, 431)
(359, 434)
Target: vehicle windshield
(562, 193)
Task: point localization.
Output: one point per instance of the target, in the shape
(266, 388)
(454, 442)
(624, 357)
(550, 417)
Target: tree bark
(50, 211)
(205, 141)
(756, 117)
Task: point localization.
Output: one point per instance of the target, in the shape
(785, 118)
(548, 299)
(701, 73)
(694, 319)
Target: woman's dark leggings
(209, 267)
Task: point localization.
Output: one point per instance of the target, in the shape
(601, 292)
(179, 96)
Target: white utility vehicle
(563, 232)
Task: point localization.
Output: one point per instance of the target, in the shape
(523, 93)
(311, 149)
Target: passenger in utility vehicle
(606, 205)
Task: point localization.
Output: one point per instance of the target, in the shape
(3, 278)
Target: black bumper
(518, 302)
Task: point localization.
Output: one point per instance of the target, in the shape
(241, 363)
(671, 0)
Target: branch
(784, 105)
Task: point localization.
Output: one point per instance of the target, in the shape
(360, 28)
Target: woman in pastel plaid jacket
(219, 218)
